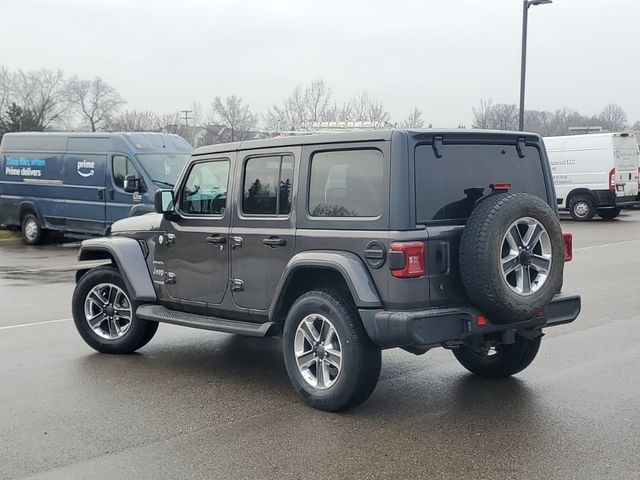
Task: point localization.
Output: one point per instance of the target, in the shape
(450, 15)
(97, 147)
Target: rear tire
(32, 231)
(113, 334)
(609, 213)
(505, 361)
(582, 208)
(335, 371)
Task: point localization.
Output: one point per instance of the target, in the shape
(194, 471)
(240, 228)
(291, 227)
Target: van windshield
(163, 168)
(448, 187)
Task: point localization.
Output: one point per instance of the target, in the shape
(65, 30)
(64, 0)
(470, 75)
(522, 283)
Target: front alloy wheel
(107, 310)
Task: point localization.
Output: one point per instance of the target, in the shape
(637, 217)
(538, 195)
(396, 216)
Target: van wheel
(329, 357)
(609, 213)
(500, 361)
(32, 231)
(105, 314)
(582, 208)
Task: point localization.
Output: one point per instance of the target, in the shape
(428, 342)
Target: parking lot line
(8, 327)
(606, 244)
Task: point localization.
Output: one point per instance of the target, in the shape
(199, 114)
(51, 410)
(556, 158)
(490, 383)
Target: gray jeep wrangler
(344, 244)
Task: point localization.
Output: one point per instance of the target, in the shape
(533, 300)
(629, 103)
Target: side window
(346, 183)
(122, 167)
(268, 183)
(205, 190)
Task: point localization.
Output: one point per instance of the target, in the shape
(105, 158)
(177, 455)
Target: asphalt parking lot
(196, 404)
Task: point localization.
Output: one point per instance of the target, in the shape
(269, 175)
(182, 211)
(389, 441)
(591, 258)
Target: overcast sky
(442, 56)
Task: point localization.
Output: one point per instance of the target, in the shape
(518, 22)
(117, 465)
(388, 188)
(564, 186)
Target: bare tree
(95, 99)
(134, 121)
(414, 120)
(234, 114)
(613, 118)
(42, 92)
(636, 126)
(482, 114)
(5, 88)
(370, 110)
(317, 97)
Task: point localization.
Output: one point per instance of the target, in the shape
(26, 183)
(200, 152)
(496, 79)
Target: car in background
(80, 183)
(597, 173)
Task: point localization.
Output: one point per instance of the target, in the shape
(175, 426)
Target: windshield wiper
(163, 182)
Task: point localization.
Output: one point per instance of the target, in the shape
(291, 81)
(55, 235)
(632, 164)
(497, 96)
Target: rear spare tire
(511, 256)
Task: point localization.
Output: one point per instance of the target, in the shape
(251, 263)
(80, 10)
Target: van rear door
(625, 152)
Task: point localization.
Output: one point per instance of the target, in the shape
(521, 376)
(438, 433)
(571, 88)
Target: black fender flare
(349, 265)
(128, 256)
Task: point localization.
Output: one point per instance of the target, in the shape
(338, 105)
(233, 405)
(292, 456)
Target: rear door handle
(111, 194)
(100, 193)
(217, 239)
(274, 242)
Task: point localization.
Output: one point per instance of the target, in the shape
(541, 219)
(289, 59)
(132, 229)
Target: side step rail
(158, 313)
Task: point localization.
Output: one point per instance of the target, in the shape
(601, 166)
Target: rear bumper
(606, 198)
(452, 326)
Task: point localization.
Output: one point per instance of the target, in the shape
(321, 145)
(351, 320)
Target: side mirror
(163, 201)
(132, 184)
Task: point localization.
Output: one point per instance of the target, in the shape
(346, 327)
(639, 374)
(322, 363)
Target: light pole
(523, 66)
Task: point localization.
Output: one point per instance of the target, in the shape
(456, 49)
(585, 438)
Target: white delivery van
(595, 173)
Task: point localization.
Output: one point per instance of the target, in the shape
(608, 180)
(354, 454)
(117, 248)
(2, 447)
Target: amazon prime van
(595, 173)
(80, 183)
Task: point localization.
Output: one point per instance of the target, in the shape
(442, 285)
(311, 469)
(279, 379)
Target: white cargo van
(595, 173)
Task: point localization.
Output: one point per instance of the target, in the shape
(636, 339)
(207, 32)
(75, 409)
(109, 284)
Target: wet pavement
(195, 404)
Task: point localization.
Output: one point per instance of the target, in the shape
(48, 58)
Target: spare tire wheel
(511, 256)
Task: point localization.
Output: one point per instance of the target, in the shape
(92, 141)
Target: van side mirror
(163, 201)
(132, 184)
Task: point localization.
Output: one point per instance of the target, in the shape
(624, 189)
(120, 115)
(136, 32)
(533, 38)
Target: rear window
(448, 187)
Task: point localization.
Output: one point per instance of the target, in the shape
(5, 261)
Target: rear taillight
(568, 246)
(412, 263)
(612, 180)
(638, 178)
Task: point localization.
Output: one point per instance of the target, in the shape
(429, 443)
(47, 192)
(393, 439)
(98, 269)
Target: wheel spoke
(308, 331)
(540, 263)
(96, 320)
(533, 235)
(123, 313)
(112, 294)
(96, 299)
(334, 357)
(514, 238)
(324, 331)
(526, 279)
(510, 263)
(322, 375)
(305, 359)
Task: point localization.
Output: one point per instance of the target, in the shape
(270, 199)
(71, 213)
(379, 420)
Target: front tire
(329, 357)
(104, 313)
(609, 213)
(582, 208)
(503, 361)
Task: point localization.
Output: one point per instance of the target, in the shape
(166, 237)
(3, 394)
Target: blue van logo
(86, 168)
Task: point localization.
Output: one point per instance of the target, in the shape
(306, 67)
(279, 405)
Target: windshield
(163, 168)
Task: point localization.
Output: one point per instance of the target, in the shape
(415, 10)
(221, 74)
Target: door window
(122, 166)
(268, 183)
(205, 190)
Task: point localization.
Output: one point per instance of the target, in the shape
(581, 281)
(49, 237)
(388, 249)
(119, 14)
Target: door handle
(100, 193)
(274, 242)
(111, 194)
(217, 239)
